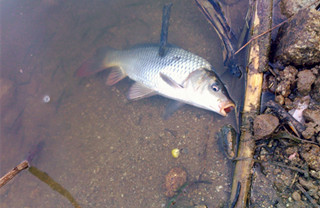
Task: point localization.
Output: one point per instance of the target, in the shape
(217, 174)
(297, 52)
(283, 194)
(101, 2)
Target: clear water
(106, 151)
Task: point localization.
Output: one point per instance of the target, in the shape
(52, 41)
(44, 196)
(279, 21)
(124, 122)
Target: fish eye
(215, 87)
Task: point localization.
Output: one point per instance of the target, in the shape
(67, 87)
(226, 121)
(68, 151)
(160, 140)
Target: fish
(179, 75)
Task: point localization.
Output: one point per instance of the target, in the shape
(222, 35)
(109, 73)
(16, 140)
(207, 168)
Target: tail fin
(95, 64)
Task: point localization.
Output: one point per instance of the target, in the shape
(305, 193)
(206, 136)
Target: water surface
(105, 150)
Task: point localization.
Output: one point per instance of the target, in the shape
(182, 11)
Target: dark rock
(264, 125)
(298, 41)
(291, 7)
(305, 79)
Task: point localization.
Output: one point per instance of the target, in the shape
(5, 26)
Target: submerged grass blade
(44, 177)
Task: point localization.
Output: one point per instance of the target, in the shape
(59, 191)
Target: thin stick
(12, 173)
(257, 61)
(258, 36)
(313, 202)
(285, 116)
(23, 165)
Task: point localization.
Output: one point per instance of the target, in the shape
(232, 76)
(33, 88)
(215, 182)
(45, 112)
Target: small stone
(264, 125)
(279, 99)
(283, 88)
(312, 116)
(305, 79)
(315, 174)
(200, 206)
(175, 152)
(289, 73)
(263, 154)
(308, 133)
(174, 180)
(288, 103)
(312, 157)
(296, 196)
(315, 70)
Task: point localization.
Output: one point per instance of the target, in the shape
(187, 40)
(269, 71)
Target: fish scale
(177, 64)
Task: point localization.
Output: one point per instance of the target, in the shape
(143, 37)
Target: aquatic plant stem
(258, 53)
(164, 29)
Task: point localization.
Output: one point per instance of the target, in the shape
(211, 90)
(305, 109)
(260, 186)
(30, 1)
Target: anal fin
(139, 91)
(115, 76)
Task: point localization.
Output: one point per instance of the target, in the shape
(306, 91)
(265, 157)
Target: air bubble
(46, 99)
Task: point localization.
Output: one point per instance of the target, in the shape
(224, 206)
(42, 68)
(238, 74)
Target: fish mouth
(226, 107)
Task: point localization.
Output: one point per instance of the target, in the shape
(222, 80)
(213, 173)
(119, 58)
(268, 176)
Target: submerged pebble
(174, 180)
(175, 152)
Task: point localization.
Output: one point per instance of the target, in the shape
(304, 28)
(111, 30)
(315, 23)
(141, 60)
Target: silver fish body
(179, 75)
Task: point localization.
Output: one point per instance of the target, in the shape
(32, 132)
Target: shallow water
(106, 151)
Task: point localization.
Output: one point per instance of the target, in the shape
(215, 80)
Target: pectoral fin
(139, 91)
(171, 108)
(170, 81)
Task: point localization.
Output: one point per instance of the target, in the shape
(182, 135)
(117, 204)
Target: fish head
(207, 91)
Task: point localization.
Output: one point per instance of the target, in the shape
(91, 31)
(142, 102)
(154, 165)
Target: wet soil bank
(287, 133)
